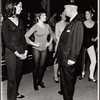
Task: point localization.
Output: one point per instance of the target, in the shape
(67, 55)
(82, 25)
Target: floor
(84, 90)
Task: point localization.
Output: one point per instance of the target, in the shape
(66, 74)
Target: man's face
(67, 10)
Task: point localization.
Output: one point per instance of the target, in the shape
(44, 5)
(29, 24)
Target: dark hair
(39, 13)
(10, 9)
(90, 10)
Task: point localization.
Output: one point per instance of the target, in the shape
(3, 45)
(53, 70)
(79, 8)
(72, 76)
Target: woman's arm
(23, 37)
(6, 36)
(25, 44)
(51, 36)
(28, 34)
(57, 32)
(7, 41)
(96, 38)
(57, 35)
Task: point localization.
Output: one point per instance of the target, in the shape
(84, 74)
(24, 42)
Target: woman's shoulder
(46, 24)
(5, 21)
(85, 22)
(59, 22)
(34, 27)
(20, 20)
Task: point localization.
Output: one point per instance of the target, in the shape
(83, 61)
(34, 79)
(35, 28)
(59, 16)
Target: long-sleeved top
(13, 35)
(40, 35)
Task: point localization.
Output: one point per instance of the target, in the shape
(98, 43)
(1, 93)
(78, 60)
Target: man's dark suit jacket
(70, 41)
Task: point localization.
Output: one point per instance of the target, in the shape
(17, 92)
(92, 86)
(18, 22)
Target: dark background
(55, 5)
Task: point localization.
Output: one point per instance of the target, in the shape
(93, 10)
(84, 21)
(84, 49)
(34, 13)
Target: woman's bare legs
(55, 72)
(92, 55)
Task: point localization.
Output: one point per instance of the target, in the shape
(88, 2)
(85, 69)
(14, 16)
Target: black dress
(89, 33)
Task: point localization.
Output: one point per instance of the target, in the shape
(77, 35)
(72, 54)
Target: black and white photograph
(49, 49)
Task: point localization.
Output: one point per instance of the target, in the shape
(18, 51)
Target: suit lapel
(67, 28)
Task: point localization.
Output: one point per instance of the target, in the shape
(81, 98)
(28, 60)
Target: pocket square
(68, 30)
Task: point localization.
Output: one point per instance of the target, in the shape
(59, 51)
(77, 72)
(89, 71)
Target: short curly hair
(10, 9)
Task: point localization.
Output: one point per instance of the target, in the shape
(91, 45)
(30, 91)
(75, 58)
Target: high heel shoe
(93, 80)
(81, 77)
(41, 85)
(20, 96)
(56, 80)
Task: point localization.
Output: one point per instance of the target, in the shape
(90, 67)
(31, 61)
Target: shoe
(20, 96)
(41, 85)
(35, 87)
(56, 80)
(60, 92)
(93, 80)
(81, 77)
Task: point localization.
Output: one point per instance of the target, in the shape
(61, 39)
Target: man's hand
(70, 62)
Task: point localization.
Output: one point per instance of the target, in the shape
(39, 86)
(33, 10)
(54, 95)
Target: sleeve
(29, 33)
(23, 37)
(6, 36)
(51, 32)
(77, 40)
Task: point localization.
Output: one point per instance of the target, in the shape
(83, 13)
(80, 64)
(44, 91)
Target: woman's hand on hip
(47, 44)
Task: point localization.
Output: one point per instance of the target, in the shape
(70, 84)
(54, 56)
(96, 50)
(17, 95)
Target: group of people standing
(69, 39)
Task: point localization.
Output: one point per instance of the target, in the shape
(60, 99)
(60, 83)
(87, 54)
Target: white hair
(74, 7)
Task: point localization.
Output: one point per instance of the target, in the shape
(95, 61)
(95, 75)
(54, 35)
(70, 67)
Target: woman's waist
(17, 44)
(40, 42)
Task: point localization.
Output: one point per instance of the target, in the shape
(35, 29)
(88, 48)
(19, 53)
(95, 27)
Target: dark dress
(89, 33)
(14, 41)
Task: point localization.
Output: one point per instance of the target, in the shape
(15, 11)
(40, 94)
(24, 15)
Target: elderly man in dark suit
(69, 48)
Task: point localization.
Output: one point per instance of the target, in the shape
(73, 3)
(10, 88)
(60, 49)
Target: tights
(39, 58)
